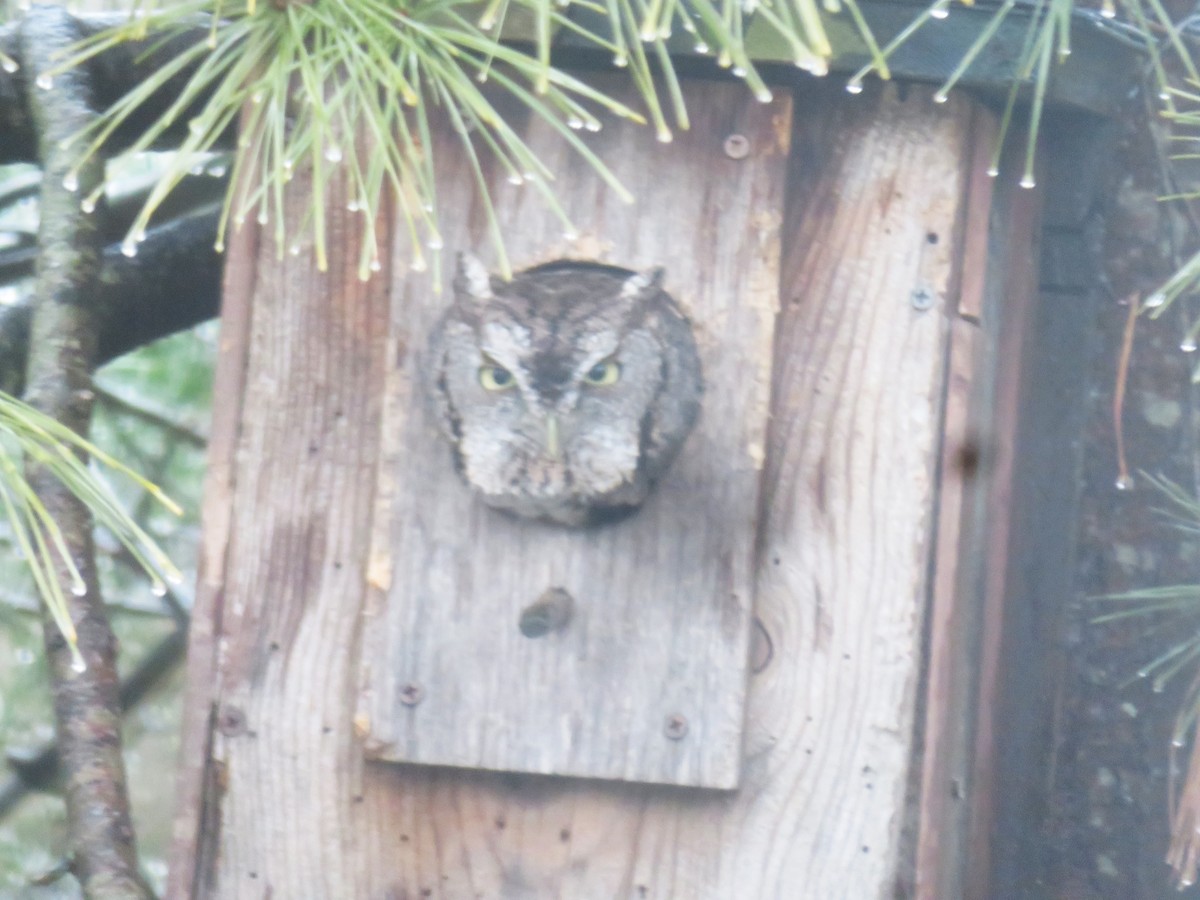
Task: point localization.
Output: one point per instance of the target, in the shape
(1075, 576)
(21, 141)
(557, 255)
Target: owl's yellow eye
(603, 373)
(495, 378)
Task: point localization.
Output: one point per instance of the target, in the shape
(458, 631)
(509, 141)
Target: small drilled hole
(550, 612)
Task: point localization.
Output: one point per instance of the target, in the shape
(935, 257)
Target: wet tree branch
(62, 356)
(110, 74)
(173, 283)
(38, 768)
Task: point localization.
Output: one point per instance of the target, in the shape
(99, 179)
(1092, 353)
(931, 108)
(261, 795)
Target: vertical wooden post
(870, 286)
(997, 287)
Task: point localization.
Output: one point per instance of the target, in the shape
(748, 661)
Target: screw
(675, 727)
(737, 146)
(412, 694)
(921, 299)
(232, 721)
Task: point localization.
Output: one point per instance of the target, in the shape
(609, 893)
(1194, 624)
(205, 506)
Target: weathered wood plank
(287, 523)
(196, 772)
(840, 577)
(662, 600)
(849, 486)
(988, 341)
(1014, 303)
(949, 692)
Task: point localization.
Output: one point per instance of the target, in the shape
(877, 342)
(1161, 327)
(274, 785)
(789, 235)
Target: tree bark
(64, 341)
(173, 283)
(110, 75)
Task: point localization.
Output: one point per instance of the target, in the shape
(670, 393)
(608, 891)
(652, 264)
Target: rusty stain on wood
(973, 267)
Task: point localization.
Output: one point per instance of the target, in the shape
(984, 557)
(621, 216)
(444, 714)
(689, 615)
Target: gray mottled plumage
(565, 392)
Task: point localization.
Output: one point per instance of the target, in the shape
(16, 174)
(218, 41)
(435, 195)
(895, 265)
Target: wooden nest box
(773, 681)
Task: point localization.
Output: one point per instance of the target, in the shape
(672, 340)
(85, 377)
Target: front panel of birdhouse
(559, 638)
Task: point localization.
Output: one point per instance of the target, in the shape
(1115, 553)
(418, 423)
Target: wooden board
(951, 689)
(1016, 305)
(662, 601)
(849, 494)
(998, 290)
(292, 809)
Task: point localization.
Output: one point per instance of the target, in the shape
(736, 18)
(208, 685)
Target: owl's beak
(553, 447)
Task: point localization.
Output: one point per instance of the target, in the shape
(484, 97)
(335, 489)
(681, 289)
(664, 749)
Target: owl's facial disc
(542, 387)
(565, 390)
(557, 401)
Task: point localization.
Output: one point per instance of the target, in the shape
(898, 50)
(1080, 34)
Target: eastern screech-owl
(565, 392)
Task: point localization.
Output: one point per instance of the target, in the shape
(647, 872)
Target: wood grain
(1014, 303)
(843, 552)
(273, 666)
(849, 486)
(662, 601)
(951, 683)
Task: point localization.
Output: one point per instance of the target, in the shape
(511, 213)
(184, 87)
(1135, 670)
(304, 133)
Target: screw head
(675, 727)
(737, 146)
(231, 721)
(411, 694)
(922, 299)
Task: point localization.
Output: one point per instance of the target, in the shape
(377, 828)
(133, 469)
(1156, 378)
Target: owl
(565, 392)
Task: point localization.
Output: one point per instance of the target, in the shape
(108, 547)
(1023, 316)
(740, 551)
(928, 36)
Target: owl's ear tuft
(472, 280)
(643, 284)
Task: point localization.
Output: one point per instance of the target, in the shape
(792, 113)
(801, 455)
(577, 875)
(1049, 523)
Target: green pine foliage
(351, 84)
(327, 84)
(28, 436)
(1176, 614)
(152, 406)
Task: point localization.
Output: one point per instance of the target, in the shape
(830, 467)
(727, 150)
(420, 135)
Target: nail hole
(231, 721)
(675, 727)
(411, 694)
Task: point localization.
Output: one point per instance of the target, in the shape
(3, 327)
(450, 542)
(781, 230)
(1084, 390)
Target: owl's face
(546, 385)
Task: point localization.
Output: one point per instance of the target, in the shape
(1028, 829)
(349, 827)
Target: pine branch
(86, 700)
(111, 74)
(175, 431)
(39, 767)
(172, 284)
